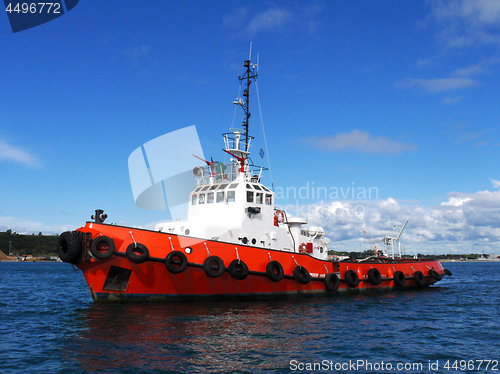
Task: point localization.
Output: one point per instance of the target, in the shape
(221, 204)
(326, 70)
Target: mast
(250, 74)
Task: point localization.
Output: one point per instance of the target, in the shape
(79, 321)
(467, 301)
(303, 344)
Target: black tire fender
(399, 279)
(274, 271)
(176, 262)
(301, 275)
(332, 282)
(238, 269)
(137, 253)
(419, 278)
(213, 266)
(69, 247)
(351, 278)
(434, 274)
(102, 247)
(374, 276)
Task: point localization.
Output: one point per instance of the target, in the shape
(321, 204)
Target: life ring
(301, 275)
(238, 269)
(332, 282)
(274, 271)
(102, 247)
(419, 278)
(434, 274)
(202, 198)
(303, 248)
(374, 277)
(399, 279)
(213, 266)
(176, 262)
(137, 253)
(279, 217)
(351, 278)
(69, 247)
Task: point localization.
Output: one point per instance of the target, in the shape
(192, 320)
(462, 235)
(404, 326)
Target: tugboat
(234, 243)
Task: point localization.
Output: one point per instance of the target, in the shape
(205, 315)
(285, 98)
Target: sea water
(49, 324)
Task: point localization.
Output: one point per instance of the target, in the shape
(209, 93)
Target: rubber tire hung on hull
(332, 282)
(176, 262)
(419, 278)
(213, 266)
(69, 247)
(301, 275)
(374, 276)
(238, 269)
(137, 253)
(351, 278)
(399, 279)
(102, 242)
(274, 271)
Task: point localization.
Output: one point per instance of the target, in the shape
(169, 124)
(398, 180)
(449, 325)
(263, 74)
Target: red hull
(118, 278)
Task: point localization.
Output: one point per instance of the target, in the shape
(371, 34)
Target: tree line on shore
(35, 245)
(46, 245)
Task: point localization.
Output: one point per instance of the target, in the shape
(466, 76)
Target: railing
(225, 173)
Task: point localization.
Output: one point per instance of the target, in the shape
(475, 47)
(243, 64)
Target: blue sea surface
(49, 324)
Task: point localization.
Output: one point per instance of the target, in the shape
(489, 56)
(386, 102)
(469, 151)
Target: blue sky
(383, 95)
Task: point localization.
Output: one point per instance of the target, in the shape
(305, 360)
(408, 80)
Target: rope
(264, 132)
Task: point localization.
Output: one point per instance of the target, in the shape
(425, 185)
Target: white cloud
(135, 53)
(467, 22)
(276, 19)
(359, 141)
(270, 20)
(465, 223)
(495, 183)
(17, 154)
(23, 226)
(438, 84)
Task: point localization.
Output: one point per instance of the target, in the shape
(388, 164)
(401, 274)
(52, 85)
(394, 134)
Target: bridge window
(269, 199)
(210, 198)
(234, 185)
(205, 188)
(230, 196)
(193, 199)
(222, 186)
(258, 198)
(249, 197)
(220, 197)
(256, 187)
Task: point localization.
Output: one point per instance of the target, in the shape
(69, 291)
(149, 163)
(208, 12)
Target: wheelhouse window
(258, 198)
(193, 199)
(269, 199)
(234, 185)
(249, 196)
(205, 188)
(222, 186)
(202, 198)
(231, 196)
(256, 187)
(220, 197)
(210, 198)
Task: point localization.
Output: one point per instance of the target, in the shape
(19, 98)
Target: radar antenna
(250, 73)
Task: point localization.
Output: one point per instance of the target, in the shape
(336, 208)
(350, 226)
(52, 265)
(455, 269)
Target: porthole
(320, 249)
(187, 232)
(254, 241)
(188, 250)
(244, 240)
